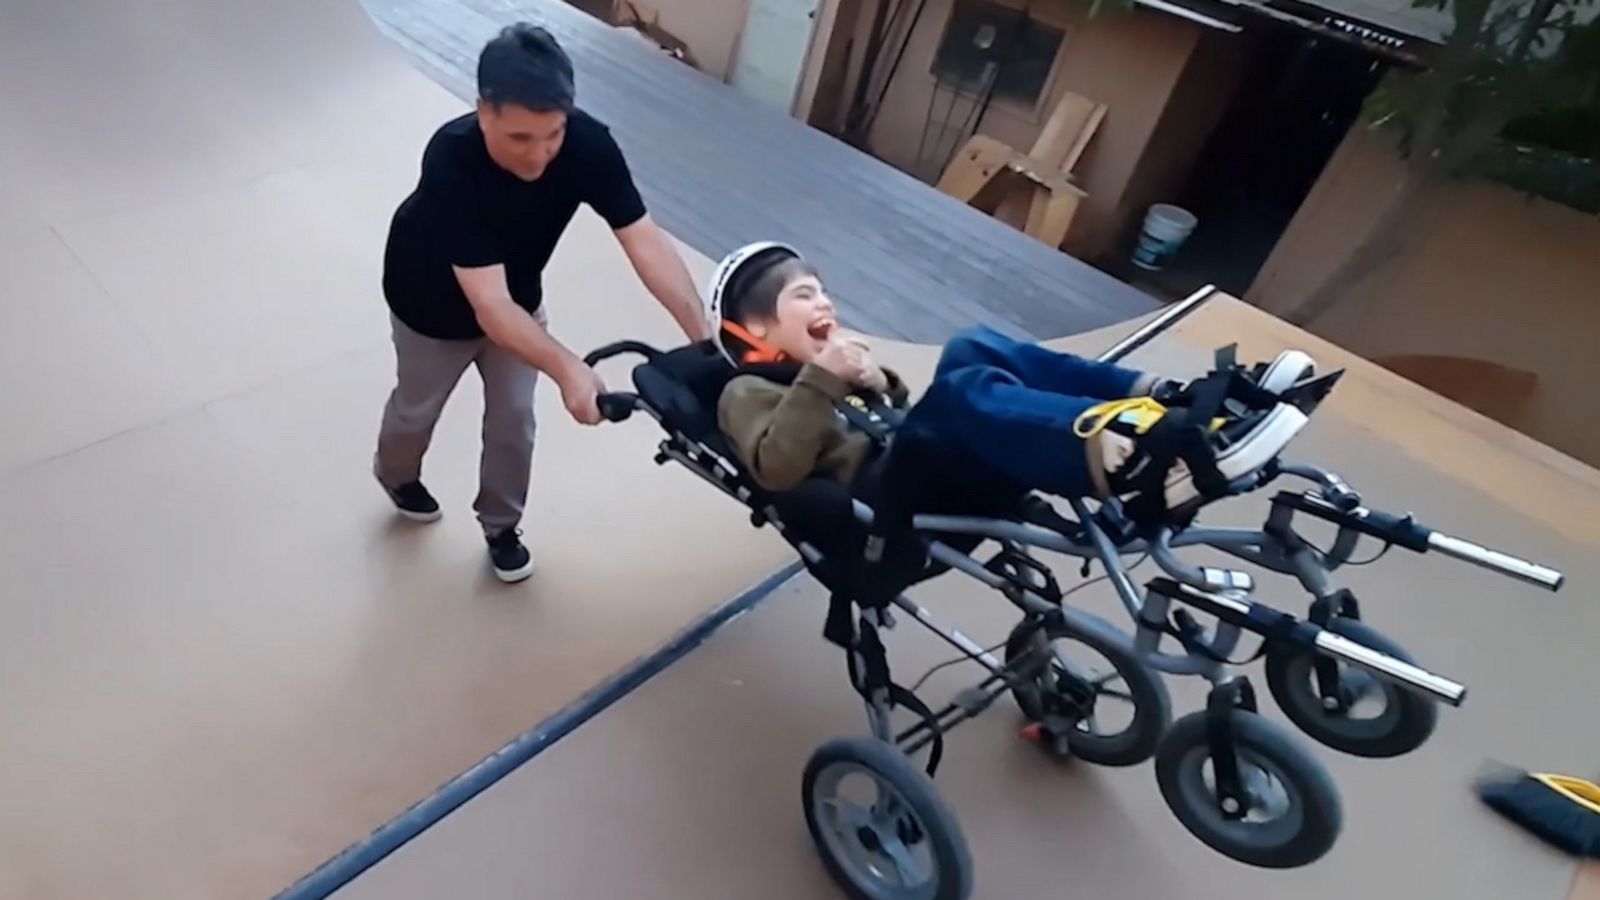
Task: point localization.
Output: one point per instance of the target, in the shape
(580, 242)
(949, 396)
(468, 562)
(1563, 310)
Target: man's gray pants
(426, 372)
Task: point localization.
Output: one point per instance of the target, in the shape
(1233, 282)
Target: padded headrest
(685, 385)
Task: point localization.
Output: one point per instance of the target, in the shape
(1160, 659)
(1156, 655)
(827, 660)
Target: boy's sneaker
(1123, 443)
(1291, 367)
(413, 501)
(512, 561)
(1289, 370)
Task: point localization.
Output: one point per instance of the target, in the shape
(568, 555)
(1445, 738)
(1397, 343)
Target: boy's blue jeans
(1012, 405)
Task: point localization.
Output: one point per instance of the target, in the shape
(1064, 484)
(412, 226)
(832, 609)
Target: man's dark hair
(524, 65)
(754, 294)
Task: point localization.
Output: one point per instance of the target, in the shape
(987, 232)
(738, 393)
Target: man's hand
(581, 387)
(512, 327)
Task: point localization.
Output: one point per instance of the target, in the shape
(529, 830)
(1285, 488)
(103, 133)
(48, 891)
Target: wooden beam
(1067, 133)
(1051, 213)
(974, 167)
(992, 177)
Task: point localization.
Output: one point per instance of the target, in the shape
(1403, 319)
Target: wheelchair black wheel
(897, 842)
(1292, 816)
(1058, 689)
(1375, 719)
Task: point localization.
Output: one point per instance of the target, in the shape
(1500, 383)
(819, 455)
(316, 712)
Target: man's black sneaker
(413, 501)
(512, 561)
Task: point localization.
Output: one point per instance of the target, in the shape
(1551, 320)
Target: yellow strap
(1583, 793)
(1102, 415)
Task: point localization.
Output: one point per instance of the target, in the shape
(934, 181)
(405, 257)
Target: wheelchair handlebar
(639, 348)
(1338, 503)
(616, 407)
(1275, 625)
(1496, 561)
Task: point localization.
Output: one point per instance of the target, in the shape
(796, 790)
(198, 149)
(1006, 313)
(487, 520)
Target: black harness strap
(875, 659)
(836, 628)
(866, 411)
(869, 414)
(1185, 435)
(1182, 434)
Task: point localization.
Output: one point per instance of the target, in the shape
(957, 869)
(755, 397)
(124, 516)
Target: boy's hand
(873, 378)
(849, 357)
(848, 360)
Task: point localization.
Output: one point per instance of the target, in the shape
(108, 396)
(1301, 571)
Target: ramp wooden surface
(694, 778)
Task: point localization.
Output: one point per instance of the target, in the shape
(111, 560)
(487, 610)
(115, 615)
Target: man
(462, 277)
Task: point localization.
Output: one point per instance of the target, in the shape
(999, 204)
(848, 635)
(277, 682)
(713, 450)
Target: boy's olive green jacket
(786, 433)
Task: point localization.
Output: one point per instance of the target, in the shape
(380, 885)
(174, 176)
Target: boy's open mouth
(822, 329)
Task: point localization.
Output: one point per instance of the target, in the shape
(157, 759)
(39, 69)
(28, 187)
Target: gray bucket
(1166, 227)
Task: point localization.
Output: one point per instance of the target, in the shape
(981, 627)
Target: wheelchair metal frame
(1219, 592)
(1224, 594)
(1058, 700)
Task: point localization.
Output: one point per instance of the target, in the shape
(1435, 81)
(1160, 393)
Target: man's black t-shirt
(467, 211)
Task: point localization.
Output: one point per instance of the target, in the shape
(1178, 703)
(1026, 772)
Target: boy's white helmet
(724, 275)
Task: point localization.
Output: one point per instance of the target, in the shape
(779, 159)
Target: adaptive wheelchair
(1238, 782)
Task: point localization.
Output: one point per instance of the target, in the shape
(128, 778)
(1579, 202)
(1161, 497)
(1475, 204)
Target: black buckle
(1011, 564)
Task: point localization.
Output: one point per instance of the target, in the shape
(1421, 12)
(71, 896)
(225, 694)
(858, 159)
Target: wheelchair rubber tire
(1313, 799)
(1152, 705)
(1408, 719)
(951, 860)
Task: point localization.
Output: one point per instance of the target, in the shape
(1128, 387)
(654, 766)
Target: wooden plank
(1015, 189)
(1016, 202)
(1050, 216)
(974, 167)
(1070, 161)
(1066, 134)
(1033, 170)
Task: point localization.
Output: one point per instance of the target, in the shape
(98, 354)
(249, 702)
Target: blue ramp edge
(358, 858)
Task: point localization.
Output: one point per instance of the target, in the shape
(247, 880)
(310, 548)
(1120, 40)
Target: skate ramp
(694, 778)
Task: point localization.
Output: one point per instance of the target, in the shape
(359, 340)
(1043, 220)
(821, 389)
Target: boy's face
(803, 320)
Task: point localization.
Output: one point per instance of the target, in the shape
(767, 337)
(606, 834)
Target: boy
(1037, 419)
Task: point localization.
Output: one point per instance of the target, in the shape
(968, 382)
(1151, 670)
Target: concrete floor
(693, 779)
(222, 660)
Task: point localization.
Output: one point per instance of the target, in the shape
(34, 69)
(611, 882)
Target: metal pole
(1495, 561)
(1169, 317)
